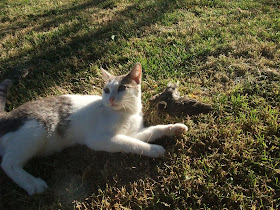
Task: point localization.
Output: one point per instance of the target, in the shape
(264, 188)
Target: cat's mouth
(115, 105)
(118, 106)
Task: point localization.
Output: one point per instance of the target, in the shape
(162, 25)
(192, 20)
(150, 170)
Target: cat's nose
(111, 99)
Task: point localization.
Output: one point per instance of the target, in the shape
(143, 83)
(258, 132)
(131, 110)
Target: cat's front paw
(156, 151)
(176, 129)
(38, 186)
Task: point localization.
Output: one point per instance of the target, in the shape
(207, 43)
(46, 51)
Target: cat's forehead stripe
(115, 82)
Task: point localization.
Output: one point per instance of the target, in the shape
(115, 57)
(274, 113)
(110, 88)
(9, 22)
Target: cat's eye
(106, 90)
(121, 88)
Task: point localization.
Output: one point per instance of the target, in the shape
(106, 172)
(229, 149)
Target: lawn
(225, 53)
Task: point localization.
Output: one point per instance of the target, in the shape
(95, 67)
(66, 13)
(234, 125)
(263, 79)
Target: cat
(112, 122)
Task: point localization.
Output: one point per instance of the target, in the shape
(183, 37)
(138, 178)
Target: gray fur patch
(53, 113)
(127, 81)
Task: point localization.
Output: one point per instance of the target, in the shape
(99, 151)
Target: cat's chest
(131, 125)
(110, 123)
(117, 123)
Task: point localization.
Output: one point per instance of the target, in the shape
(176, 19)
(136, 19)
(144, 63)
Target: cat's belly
(55, 143)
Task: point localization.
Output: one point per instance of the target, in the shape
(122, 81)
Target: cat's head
(123, 92)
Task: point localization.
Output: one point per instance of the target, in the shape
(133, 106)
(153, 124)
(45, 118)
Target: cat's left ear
(106, 75)
(136, 72)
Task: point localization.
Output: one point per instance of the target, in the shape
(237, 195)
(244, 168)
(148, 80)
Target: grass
(223, 52)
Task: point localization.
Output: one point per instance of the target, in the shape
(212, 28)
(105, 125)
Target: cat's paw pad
(38, 186)
(177, 129)
(156, 151)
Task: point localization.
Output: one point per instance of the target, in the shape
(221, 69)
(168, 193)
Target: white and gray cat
(111, 123)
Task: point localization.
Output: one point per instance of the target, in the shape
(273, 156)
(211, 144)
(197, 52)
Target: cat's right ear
(136, 73)
(105, 74)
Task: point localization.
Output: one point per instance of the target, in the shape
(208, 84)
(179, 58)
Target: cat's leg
(126, 144)
(152, 133)
(25, 144)
(25, 180)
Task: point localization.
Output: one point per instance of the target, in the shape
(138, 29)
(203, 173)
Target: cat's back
(47, 111)
(81, 101)
(51, 112)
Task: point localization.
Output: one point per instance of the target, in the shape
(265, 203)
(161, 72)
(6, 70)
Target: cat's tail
(4, 88)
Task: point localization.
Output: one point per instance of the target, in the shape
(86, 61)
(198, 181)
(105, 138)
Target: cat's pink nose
(111, 99)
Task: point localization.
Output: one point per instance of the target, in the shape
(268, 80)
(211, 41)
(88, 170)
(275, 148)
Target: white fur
(93, 122)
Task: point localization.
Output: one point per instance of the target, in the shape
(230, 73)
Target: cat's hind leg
(152, 133)
(22, 146)
(25, 180)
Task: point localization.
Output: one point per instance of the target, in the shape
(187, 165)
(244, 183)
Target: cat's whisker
(129, 98)
(129, 103)
(124, 107)
(129, 106)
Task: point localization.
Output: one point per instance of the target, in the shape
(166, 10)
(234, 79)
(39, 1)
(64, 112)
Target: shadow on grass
(53, 17)
(50, 60)
(274, 3)
(80, 175)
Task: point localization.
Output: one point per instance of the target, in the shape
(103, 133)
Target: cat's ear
(136, 73)
(106, 75)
